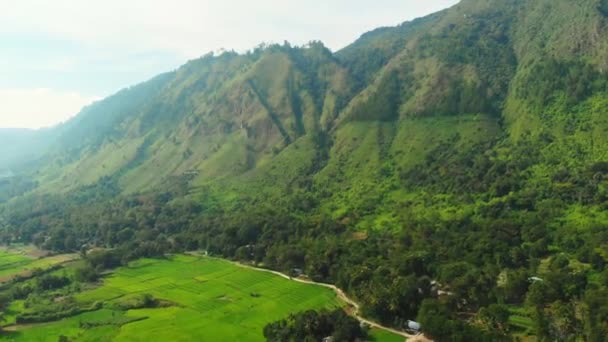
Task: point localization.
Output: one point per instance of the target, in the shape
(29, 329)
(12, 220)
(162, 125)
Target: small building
(442, 293)
(535, 279)
(414, 326)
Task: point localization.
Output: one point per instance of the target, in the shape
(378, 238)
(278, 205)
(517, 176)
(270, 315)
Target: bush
(87, 274)
(52, 282)
(315, 326)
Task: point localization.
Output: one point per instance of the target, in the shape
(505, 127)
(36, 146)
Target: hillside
(467, 147)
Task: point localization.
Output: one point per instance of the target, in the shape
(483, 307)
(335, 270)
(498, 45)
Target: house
(414, 326)
(535, 279)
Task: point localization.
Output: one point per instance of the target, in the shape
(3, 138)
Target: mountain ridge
(468, 146)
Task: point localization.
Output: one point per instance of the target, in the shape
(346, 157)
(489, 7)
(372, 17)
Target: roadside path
(345, 298)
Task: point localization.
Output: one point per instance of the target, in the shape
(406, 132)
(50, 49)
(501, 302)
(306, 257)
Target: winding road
(345, 298)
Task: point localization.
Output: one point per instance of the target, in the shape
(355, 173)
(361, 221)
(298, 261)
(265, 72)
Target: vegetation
(451, 170)
(20, 262)
(182, 297)
(315, 326)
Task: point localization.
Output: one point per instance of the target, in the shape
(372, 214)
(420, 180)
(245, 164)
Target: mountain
(22, 145)
(468, 147)
(6, 173)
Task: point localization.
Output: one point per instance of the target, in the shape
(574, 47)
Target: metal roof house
(415, 326)
(535, 279)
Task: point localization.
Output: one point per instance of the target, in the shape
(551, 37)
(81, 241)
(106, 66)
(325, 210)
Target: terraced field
(212, 300)
(22, 260)
(12, 261)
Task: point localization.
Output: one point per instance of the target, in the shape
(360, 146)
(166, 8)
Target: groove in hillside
(140, 155)
(296, 106)
(273, 116)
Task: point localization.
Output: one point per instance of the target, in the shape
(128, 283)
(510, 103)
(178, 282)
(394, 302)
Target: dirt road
(345, 298)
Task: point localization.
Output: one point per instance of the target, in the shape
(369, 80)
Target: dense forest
(452, 170)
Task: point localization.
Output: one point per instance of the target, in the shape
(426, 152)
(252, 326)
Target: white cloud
(97, 47)
(194, 27)
(36, 108)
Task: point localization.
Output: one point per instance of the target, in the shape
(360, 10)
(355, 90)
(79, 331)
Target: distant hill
(22, 145)
(6, 173)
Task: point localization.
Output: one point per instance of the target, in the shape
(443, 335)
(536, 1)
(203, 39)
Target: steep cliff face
(216, 116)
(342, 126)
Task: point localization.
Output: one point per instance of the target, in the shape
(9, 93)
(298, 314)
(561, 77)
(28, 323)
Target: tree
(314, 326)
(495, 317)
(596, 328)
(434, 318)
(516, 285)
(537, 294)
(86, 273)
(541, 324)
(564, 325)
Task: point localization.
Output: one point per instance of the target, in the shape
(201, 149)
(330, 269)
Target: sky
(58, 56)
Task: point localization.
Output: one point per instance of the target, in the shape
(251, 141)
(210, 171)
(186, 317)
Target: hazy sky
(56, 56)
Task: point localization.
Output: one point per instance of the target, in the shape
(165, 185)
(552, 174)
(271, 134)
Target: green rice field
(204, 299)
(211, 300)
(20, 261)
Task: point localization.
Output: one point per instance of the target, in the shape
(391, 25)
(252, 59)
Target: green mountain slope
(217, 116)
(467, 147)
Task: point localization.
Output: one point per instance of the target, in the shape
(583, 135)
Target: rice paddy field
(21, 260)
(205, 300)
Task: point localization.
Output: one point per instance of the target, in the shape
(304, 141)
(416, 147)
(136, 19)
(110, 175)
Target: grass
(9, 261)
(520, 321)
(211, 299)
(378, 335)
(108, 321)
(22, 260)
(12, 310)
